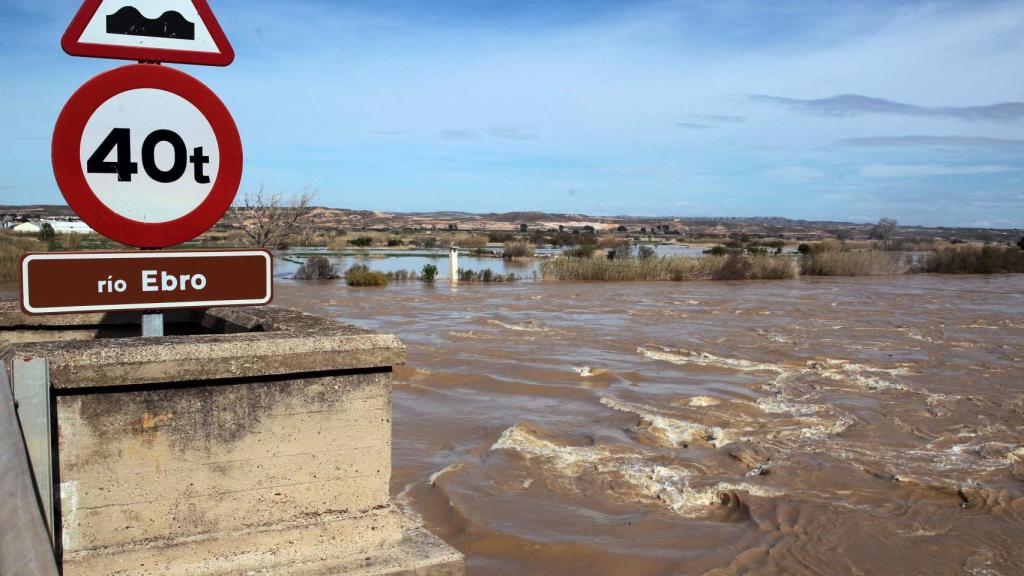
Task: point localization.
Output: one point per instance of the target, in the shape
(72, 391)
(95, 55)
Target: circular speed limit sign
(147, 155)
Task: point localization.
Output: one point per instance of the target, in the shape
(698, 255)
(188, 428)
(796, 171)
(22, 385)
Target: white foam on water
(702, 401)
(668, 486)
(676, 431)
(449, 468)
(517, 327)
(685, 357)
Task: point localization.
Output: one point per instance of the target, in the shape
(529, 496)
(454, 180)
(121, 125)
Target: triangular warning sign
(180, 31)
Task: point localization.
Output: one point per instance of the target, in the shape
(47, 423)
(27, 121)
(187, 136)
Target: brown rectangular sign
(115, 281)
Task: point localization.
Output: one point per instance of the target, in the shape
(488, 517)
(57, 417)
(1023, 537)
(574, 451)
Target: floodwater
(815, 426)
(843, 426)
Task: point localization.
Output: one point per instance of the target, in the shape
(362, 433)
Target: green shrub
(360, 275)
(975, 260)
(395, 242)
(717, 251)
(316, 268)
(361, 242)
(645, 252)
(429, 273)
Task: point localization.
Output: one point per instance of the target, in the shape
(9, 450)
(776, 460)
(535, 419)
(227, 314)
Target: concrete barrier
(247, 441)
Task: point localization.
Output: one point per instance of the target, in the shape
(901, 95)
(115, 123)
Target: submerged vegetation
(486, 276)
(316, 268)
(402, 276)
(360, 275)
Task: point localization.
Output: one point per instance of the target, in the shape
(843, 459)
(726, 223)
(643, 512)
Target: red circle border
(67, 163)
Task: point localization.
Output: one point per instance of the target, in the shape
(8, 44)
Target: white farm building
(59, 226)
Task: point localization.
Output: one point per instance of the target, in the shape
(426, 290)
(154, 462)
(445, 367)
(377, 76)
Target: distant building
(60, 227)
(27, 228)
(71, 227)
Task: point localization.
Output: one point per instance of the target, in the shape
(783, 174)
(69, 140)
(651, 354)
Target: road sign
(181, 31)
(61, 283)
(147, 156)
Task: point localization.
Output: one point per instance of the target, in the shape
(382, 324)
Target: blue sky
(818, 110)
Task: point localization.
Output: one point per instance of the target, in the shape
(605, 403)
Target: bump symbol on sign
(181, 31)
(131, 22)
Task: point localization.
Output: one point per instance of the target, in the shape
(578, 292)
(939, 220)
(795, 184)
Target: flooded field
(388, 260)
(847, 426)
(826, 426)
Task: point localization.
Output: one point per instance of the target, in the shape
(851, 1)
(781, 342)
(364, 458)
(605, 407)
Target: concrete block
(248, 441)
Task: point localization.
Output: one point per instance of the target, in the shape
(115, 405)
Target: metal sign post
(152, 325)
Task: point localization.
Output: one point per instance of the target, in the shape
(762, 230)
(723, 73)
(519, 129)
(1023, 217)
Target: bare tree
(883, 231)
(271, 220)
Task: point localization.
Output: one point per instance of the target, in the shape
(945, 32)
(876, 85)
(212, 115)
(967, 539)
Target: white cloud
(925, 170)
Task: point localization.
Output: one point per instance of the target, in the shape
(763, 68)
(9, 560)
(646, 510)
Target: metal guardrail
(25, 545)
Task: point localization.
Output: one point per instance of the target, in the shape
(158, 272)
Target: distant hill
(322, 217)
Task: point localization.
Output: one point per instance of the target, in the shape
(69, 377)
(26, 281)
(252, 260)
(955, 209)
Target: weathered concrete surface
(259, 443)
(274, 342)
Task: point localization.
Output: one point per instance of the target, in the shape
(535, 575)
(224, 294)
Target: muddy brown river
(847, 426)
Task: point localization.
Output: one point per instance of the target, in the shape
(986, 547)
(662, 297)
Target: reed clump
(852, 263)
(975, 260)
(677, 268)
(12, 248)
(758, 267)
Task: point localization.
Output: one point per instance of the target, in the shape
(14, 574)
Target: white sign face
(163, 24)
(149, 155)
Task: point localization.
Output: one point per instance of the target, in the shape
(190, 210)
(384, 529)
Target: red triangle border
(88, 10)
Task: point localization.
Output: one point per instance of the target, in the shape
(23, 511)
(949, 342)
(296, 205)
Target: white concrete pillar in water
(453, 264)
